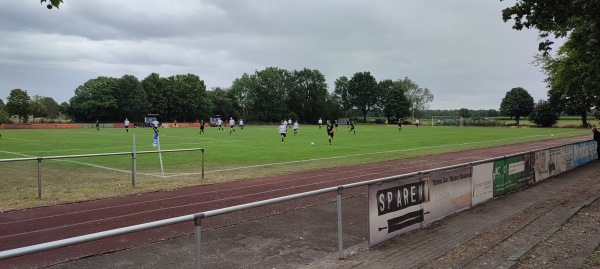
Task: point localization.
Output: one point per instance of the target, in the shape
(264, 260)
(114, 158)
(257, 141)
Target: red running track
(40, 225)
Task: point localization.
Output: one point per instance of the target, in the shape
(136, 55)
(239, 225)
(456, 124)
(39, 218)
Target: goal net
(447, 121)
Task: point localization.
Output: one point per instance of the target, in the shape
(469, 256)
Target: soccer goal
(447, 121)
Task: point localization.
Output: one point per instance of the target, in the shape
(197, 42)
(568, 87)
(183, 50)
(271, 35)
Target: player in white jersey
(296, 125)
(220, 124)
(231, 125)
(126, 123)
(282, 130)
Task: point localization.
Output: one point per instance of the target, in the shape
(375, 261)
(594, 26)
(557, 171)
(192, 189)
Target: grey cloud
(460, 50)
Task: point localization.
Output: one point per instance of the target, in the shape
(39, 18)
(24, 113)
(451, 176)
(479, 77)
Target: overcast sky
(460, 49)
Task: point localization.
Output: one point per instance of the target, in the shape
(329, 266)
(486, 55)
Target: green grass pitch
(253, 152)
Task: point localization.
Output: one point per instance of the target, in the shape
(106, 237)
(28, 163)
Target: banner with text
(395, 207)
(399, 206)
(584, 152)
(556, 162)
(529, 173)
(542, 158)
(482, 183)
(450, 192)
(515, 178)
(568, 152)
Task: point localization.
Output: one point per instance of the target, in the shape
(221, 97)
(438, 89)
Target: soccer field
(253, 152)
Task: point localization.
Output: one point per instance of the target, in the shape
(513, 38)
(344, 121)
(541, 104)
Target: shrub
(544, 114)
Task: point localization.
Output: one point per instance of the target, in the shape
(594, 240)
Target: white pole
(162, 171)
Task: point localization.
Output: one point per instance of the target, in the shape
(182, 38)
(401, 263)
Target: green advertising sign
(515, 169)
(500, 172)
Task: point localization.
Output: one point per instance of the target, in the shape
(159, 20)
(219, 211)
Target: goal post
(447, 121)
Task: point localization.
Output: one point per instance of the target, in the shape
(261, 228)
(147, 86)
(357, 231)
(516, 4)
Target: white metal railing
(197, 218)
(133, 161)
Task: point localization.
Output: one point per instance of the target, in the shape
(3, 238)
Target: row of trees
(183, 96)
(20, 104)
(519, 103)
(268, 95)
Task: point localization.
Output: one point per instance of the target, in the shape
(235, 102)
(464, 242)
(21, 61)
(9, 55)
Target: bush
(4, 118)
(544, 114)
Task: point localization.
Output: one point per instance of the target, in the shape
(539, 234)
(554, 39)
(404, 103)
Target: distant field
(569, 122)
(253, 152)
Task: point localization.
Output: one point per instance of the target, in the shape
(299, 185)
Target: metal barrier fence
(133, 161)
(197, 218)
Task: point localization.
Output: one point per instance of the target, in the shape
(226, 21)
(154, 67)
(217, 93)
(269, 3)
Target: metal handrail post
(133, 164)
(39, 178)
(426, 191)
(473, 183)
(133, 168)
(198, 238)
(339, 216)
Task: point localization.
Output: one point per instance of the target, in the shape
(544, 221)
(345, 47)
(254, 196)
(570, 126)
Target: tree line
(267, 95)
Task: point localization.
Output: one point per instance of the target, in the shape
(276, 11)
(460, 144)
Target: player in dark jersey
(352, 127)
(330, 131)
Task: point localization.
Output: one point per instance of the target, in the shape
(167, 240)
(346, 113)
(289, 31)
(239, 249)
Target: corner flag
(155, 142)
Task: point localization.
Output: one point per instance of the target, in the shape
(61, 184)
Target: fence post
(202, 163)
(339, 215)
(133, 168)
(473, 182)
(133, 164)
(198, 237)
(426, 193)
(39, 178)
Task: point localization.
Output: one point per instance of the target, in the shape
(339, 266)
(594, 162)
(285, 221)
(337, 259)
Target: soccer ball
(312, 143)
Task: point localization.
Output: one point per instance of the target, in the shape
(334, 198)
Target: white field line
(20, 139)
(170, 144)
(15, 153)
